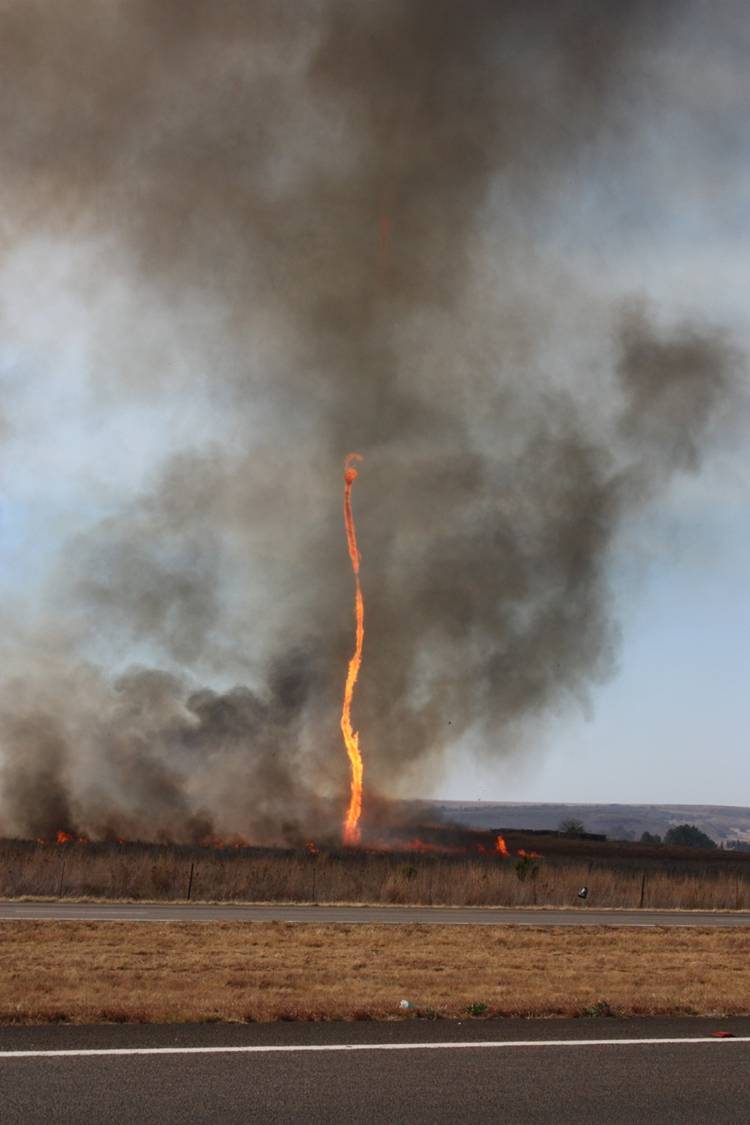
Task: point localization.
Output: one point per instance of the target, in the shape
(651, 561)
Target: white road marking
(268, 1049)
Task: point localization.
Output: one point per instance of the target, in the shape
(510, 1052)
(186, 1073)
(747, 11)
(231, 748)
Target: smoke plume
(331, 223)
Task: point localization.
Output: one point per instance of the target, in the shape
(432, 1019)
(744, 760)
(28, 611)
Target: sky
(670, 726)
(108, 373)
(672, 224)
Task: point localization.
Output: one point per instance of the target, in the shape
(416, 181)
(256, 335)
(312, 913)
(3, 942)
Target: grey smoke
(326, 176)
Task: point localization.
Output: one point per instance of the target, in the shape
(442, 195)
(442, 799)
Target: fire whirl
(351, 737)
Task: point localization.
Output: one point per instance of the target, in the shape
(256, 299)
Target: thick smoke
(355, 197)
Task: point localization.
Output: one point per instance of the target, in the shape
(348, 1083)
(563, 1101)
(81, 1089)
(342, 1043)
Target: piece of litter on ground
(723, 1034)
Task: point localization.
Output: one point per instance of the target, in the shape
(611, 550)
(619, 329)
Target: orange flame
(68, 838)
(501, 846)
(351, 737)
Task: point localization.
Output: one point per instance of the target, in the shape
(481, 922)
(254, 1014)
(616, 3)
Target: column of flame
(351, 737)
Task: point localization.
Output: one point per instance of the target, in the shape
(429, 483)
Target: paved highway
(587, 1071)
(198, 912)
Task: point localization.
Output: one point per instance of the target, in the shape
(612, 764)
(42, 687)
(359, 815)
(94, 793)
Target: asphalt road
(197, 912)
(583, 1071)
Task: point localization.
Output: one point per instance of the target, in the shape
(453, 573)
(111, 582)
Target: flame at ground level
(425, 839)
(62, 837)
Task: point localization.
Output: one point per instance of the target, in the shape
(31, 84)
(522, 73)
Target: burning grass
(153, 872)
(175, 972)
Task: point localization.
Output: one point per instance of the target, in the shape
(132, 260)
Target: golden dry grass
(177, 971)
(162, 875)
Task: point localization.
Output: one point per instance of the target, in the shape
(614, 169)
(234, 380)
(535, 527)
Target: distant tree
(650, 838)
(688, 836)
(572, 827)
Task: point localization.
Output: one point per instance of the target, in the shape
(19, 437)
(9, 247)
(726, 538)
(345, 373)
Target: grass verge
(87, 972)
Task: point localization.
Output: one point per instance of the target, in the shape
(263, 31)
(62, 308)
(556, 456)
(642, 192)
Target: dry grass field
(162, 873)
(114, 971)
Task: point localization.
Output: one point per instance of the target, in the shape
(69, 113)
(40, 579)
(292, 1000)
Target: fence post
(643, 890)
(190, 881)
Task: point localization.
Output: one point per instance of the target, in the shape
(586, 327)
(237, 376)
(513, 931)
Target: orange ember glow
(351, 737)
(429, 848)
(501, 846)
(68, 838)
(220, 844)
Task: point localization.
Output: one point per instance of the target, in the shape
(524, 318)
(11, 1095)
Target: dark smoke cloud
(35, 786)
(675, 386)
(325, 175)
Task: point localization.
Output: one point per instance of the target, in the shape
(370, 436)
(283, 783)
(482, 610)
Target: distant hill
(618, 822)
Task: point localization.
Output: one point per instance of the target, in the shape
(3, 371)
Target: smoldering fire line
(355, 199)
